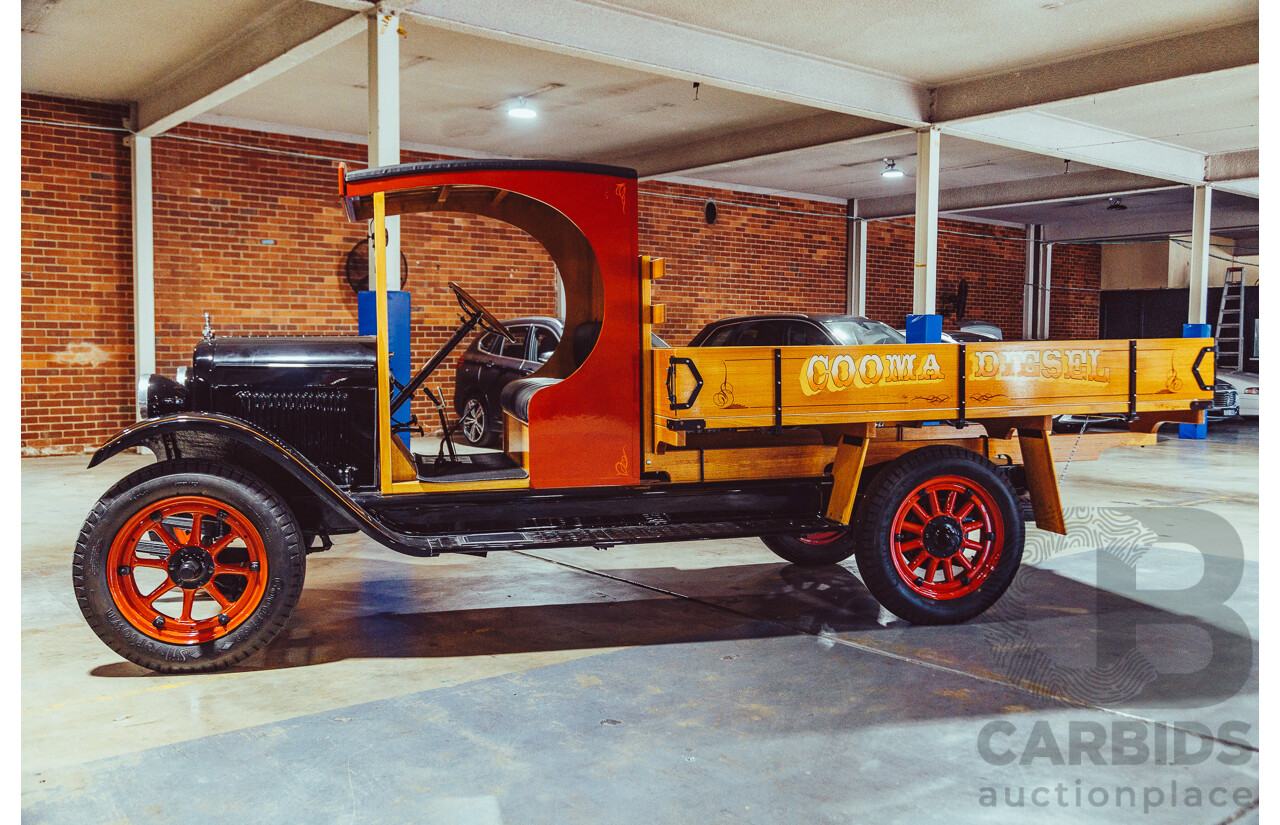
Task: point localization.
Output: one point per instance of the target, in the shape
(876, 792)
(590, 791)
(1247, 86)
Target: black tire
(261, 593)
(476, 423)
(814, 550)
(961, 477)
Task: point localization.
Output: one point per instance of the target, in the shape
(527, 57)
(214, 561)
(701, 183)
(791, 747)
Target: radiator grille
(314, 422)
(1224, 398)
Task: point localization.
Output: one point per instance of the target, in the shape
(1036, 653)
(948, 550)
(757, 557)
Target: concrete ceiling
(1140, 96)
(455, 90)
(935, 43)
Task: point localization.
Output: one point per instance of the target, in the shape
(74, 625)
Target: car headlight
(1250, 390)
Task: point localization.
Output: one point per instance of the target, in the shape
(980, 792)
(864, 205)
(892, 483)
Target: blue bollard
(397, 341)
(1195, 430)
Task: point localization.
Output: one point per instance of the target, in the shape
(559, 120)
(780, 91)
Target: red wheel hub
(824, 537)
(187, 569)
(946, 537)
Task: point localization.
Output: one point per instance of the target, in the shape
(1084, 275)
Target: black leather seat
(516, 395)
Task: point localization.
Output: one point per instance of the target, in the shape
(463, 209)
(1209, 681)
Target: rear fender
(239, 443)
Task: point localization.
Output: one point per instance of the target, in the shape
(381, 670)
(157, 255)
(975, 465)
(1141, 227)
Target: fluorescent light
(891, 170)
(522, 111)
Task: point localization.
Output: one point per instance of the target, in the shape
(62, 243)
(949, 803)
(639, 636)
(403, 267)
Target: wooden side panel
(742, 386)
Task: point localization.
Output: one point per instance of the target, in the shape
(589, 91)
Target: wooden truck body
(921, 460)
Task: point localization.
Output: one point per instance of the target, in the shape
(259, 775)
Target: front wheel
(187, 566)
(939, 535)
(813, 549)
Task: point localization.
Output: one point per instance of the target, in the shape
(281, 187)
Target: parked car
(982, 330)
(952, 337)
(492, 362)
(1246, 386)
(1225, 405)
(977, 332)
(965, 336)
(795, 329)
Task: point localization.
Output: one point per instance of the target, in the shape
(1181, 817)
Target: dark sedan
(796, 329)
(489, 364)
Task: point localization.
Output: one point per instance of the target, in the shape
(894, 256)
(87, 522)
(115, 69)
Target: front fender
(221, 437)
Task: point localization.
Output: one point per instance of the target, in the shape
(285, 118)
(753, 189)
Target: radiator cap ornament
(207, 332)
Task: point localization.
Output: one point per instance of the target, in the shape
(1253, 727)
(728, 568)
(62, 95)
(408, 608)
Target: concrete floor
(705, 682)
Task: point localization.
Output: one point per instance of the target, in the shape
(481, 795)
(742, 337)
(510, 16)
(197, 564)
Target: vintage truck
(922, 461)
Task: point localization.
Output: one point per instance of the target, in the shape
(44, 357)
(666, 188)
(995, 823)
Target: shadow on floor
(1052, 634)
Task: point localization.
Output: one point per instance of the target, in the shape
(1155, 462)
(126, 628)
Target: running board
(654, 529)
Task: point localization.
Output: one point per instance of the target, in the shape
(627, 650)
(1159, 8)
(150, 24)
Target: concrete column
(1031, 282)
(855, 302)
(1200, 220)
(926, 268)
(384, 121)
(1045, 292)
(144, 290)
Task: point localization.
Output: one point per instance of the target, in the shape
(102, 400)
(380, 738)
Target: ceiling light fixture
(1114, 203)
(522, 110)
(891, 170)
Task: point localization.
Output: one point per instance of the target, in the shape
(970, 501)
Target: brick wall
(763, 254)
(991, 258)
(220, 192)
(77, 288)
(1075, 287)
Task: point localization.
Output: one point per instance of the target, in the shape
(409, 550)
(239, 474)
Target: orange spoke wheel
(187, 569)
(189, 565)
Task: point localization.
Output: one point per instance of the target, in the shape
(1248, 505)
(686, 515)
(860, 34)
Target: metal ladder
(1229, 331)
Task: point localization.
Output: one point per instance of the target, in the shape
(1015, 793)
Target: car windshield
(857, 331)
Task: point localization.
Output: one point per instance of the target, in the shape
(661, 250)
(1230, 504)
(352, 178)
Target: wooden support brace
(851, 454)
(1037, 458)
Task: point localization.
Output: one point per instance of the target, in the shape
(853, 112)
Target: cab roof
(404, 179)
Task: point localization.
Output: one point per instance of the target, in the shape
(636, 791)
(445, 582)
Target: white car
(1246, 387)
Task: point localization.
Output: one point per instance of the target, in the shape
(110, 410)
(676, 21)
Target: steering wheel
(487, 320)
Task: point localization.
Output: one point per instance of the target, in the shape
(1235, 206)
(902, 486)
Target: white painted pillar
(926, 270)
(384, 121)
(1201, 217)
(856, 265)
(1031, 283)
(144, 267)
(1045, 292)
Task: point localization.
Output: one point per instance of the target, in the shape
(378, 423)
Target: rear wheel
(476, 424)
(939, 535)
(813, 549)
(188, 566)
